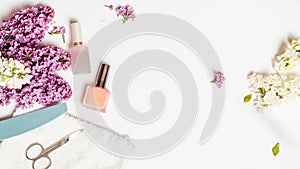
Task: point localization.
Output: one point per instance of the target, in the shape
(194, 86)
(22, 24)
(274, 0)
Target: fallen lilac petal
(111, 7)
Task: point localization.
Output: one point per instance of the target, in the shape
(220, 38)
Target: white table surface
(246, 35)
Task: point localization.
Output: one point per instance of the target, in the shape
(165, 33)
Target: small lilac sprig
(59, 30)
(219, 79)
(127, 12)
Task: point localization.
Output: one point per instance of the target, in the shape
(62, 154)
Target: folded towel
(77, 154)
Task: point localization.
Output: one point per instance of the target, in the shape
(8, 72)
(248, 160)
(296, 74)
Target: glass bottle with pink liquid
(80, 60)
(96, 97)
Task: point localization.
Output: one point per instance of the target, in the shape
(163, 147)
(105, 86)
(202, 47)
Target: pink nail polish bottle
(80, 60)
(96, 97)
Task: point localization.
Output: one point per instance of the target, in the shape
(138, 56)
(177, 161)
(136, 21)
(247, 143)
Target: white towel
(81, 153)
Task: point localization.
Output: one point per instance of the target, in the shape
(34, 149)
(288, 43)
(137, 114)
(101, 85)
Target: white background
(246, 35)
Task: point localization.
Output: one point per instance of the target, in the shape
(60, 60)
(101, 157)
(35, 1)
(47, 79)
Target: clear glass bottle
(80, 59)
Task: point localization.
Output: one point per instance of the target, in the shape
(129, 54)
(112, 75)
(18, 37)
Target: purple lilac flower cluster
(219, 79)
(18, 40)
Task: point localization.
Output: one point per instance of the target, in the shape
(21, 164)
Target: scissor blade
(72, 135)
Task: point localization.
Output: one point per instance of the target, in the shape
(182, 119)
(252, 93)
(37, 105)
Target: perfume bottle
(80, 60)
(96, 97)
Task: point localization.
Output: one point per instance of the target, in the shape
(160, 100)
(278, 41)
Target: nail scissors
(43, 153)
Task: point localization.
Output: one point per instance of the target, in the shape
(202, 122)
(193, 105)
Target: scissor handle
(38, 155)
(39, 158)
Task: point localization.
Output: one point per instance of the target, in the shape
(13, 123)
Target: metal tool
(44, 152)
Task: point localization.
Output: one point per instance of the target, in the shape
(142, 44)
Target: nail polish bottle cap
(76, 34)
(102, 75)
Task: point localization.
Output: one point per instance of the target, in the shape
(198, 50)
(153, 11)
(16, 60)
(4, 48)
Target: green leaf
(54, 33)
(275, 149)
(125, 18)
(27, 58)
(63, 38)
(265, 105)
(247, 98)
(14, 69)
(61, 60)
(295, 43)
(262, 91)
(20, 76)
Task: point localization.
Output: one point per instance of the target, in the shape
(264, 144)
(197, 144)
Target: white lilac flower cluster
(269, 90)
(13, 74)
(289, 59)
(272, 89)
